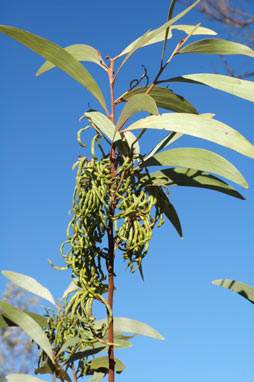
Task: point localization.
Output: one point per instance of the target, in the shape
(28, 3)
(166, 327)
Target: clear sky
(208, 331)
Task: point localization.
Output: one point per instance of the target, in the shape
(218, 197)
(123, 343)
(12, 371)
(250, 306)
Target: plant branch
(175, 52)
(110, 232)
(111, 84)
(74, 373)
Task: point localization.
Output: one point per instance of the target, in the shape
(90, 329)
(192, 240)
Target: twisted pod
(137, 210)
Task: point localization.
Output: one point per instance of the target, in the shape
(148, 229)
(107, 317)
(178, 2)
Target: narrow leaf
(102, 123)
(198, 159)
(167, 208)
(30, 327)
(164, 98)
(23, 378)
(120, 340)
(240, 88)
(238, 287)
(80, 52)
(41, 320)
(157, 35)
(217, 46)
(5, 322)
(71, 288)
(184, 28)
(88, 351)
(170, 212)
(198, 126)
(137, 103)
(132, 326)
(103, 363)
(58, 56)
(46, 368)
(135, 46)
(168, 140)
(188, 28)
(189, 177)
(72, 341)
(30, 284)
(132, 142)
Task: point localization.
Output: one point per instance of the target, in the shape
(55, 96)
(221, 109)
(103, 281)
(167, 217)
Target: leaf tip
(245, 184)
(5, 273)
(217, 282)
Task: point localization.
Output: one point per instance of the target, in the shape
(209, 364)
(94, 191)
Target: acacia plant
(117, 200)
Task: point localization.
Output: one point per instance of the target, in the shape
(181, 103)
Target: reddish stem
(111, 241)
(175, 52)
(74, 373)
(111, 376)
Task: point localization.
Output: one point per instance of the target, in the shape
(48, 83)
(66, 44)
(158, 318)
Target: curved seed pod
(137, 211)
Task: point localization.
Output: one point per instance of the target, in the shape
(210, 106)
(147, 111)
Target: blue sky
(208, 331)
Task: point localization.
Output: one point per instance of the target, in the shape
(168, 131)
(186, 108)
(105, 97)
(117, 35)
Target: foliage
(238, 287)
(232, 15)
(17, 353)
(117, 200)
